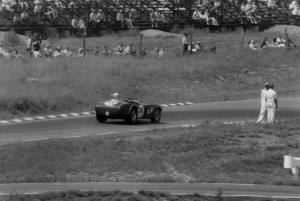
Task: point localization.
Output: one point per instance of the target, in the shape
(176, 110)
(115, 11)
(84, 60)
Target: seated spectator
(294, 6)
(72, 4)
(143, 52)
(57, 52)
(3, 52)
(265, 43)
(271, 4)
(120, 18)
(51, 12)
(211, 20)
(7, 5)
(22, 3)
(279, 42)
(153, 19)
(252, 45)
(100, 16)
(119, 49)
(163, 19)
(196, 15)
(37, 10)
(17, 19)
(217, 4)
(80, 53)
(243, 9)
(12, 51)
(24, 17)
(155, 52)
(59, 4)
(96, 52)
(48, 51)
(249, 13)
(106, 51)
(198, 47)
(93, 16)
(67, 52)
(161, 52)
(129, 50)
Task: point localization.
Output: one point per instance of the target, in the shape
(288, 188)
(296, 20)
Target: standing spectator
(120, 18)
(294, 6)
(164, 19)
(272, 103)
(185, 44)
(158, 17)
(100, 16)
(74, 26)
(81, 26)
(3, 52)
(263, 106)
(153, 19)
(130, 19)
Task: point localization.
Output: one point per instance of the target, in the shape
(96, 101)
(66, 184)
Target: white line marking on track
(75, 136)
(164, 105)
(52, 116)
(40, 118)
(180, 104)
(137, 130)
(188, 103)
(28, 119)
(17, 120)
(172, 105)
(108, 133)
(171, 126)
(74, 114)
(63, 115)
(85, 113)
(4, 122)
(185, 126)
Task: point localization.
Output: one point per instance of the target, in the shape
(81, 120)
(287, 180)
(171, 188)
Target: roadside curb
(73, 114)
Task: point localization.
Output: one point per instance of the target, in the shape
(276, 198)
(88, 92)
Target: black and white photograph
(149, 100)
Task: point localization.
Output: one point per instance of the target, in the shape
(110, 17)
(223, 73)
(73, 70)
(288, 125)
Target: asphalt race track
(173, 188)
(246, 110)
(230, 111)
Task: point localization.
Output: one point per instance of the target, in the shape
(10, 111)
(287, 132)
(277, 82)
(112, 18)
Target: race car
(129, 110)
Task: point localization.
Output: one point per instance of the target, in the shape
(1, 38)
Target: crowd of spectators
(205, 11)
(277, 42)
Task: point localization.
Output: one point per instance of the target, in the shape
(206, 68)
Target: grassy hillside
(215, 153)
(78, 84)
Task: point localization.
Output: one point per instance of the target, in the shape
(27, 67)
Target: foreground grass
(78, 84)
(126, 196)
(209, 153)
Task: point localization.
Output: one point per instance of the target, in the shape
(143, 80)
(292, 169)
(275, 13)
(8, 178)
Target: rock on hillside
(292, 30)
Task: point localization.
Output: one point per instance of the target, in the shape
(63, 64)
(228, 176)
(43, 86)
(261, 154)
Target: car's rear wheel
(101, 118)
(156, 116)
(132, 118)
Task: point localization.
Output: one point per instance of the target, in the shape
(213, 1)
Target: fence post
(141, 43)
(83, 37)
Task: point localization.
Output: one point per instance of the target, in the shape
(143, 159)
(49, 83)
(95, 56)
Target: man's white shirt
(271, 95)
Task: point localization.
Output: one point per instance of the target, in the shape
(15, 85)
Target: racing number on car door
(140, 111)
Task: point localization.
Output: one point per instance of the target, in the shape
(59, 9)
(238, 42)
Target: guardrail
(293, 163)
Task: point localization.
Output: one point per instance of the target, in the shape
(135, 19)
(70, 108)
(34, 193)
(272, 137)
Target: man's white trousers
(271, 107)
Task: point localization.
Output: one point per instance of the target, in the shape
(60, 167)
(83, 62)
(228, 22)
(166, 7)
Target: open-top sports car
(129, 110)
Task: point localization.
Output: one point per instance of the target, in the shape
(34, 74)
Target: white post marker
(292, 163)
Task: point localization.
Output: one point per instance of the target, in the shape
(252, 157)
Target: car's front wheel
(132, 118)
(156, 116)
(101, 118)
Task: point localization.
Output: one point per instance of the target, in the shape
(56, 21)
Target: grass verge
(64, 85)
(127, 196)
(247, 153)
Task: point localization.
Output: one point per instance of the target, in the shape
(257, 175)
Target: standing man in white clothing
(272, 103)
(263, 107)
